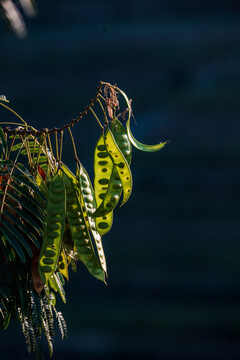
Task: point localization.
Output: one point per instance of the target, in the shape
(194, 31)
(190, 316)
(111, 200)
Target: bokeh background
(173, 253)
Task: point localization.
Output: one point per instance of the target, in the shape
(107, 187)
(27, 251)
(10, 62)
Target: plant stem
(103, 110)
(14, 112)
(73, 143)
(97, 119)
(56, 144)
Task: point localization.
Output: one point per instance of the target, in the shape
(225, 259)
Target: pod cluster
(67, 229)
(79, 214)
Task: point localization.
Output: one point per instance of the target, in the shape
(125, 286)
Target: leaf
(3, 141)
(62, 324)
(14, 243)
(29, 219)
(26, 205)
(7, 250)
(7, 320)
(59, 287)
(22, 227)
(24, 192)
(5, 162)
(18, 236)
(21, 179)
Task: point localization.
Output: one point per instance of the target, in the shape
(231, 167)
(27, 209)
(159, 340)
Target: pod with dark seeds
(115, 187)
(79, 231)
(121, 139)
(52, 238)
(89, 201)
(121, 164)
(102, 171)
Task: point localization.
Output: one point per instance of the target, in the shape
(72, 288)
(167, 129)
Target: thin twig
(60, 146)
(56, 145)
(10, 150)
(95, 115)
(103, 110)
(73, 143)
(14, 112)
(33, 131)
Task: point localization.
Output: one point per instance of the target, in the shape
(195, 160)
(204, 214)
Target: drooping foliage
(50, 217)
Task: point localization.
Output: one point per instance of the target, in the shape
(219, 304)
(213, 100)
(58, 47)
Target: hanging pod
(79, 230)
(135, 142)
(103, 167)
(88, 197)
(54, 228)
(121, 164)
(114, 187)
(121, 138)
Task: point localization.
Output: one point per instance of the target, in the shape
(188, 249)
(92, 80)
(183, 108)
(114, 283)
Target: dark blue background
(174, 250)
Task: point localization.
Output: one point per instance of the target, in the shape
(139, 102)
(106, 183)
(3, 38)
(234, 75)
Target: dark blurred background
(173, 253)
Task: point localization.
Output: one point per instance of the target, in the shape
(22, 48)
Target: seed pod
(102, 170)
(114, 190)
(121, 164)
(89, 201)
(136, 143)
(121, 139)
(51, 244)
(112, 196)
(79, 230)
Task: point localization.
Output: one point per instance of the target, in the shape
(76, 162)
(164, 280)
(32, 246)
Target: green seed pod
(110, 198)
(90, 208)
(102, 171)
(121, 139)
(80, 233)
(52, 239)
(121, 164)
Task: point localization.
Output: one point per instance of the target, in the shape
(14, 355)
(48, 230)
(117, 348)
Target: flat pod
(121, 139)
(102, 174)
(79, 231)
(112, 196)
(89, 201)
(52, 238)
(121, 164)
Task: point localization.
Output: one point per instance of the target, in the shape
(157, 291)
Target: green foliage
(50, 218)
